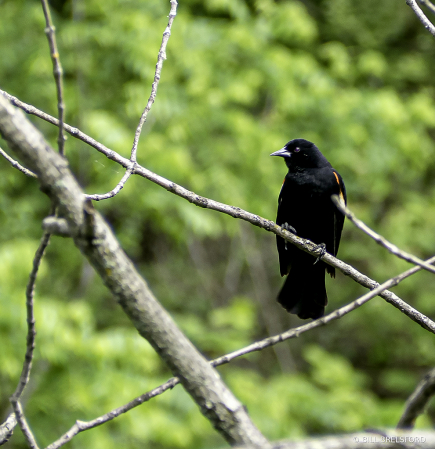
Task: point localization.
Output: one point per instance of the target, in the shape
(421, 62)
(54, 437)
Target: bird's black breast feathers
(305, 204)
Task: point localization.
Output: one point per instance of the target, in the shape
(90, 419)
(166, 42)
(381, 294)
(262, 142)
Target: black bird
(306, 209)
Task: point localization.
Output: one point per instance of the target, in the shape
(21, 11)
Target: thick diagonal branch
(96, 241)
(7, 428)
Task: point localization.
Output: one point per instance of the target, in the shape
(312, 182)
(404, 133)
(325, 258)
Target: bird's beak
(283, 152)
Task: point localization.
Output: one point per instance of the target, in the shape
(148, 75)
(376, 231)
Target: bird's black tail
(304, 292)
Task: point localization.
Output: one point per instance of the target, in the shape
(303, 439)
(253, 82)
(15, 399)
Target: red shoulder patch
(339, 186)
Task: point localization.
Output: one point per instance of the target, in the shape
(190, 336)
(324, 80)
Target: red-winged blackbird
(306, 209)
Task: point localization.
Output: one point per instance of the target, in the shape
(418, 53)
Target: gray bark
(95, 240)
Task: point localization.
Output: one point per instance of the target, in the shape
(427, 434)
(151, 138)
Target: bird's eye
(297, 149)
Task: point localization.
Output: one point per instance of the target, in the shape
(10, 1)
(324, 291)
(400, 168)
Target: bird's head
(301, 153)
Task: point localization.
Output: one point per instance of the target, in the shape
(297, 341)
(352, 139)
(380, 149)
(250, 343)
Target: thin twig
(116, 190)
(160, 58)
(133, 158)
(417, 402)
(128, 164)
(110, 154)
(421, 16)
(31, 333)
(81, 426)
(379, 239)
(75, 132)
(16, 164)
(429, 5)
(57, 72)
(232, 211)
(292, 333)
(18, 409)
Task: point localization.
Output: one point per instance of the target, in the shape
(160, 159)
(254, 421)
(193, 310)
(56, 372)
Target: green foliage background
(241, 79)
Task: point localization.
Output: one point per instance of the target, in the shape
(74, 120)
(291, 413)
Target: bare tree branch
(421, 16)
(429, 5)
(128, 164)
(22, 422)
(56, 226)
(16, 164)
(81, 426)
(57, 72)
(117, 188)
(235, 212)
(417, 402)
(379, 239)
(31, 334)
(7, 428)
(161, 57)
(29, 109)
(338, 313)
(96, 241)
